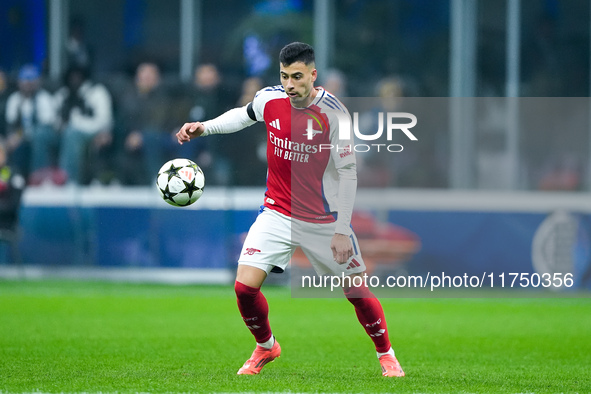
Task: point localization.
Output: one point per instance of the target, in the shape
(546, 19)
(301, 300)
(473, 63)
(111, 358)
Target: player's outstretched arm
(189, 131)
(229, 122)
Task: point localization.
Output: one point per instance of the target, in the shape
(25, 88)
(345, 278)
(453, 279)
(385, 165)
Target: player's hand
(189, 131)
(342, 248)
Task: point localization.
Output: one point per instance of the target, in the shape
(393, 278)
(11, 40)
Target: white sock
(390, 352)
(269, 344)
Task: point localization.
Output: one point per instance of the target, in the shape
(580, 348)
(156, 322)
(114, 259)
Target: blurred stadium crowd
(111, 118)
(83, 131)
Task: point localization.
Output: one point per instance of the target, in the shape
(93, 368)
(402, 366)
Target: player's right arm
(189, 131)
(229, 122)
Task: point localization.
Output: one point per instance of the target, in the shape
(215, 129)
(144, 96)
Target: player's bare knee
(250, 276)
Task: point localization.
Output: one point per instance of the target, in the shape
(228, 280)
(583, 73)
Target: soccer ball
(180, 182)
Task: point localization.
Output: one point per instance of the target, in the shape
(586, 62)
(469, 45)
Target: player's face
(298, 81)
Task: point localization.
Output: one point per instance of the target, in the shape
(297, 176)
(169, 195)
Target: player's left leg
(371, 316)
(368, 308)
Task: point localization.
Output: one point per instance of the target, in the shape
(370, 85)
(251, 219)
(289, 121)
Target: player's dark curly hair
(296, 52)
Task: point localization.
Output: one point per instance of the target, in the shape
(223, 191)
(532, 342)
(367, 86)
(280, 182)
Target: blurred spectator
(4, 93)
(207, 100)
(335, 82)
(563, 173)
(206, 93)
(30, 115)
(76, 48)
(85, 119)
(248, 151)
(145, 117)
(375, 168)
(250, 87)
(11, 189)
(390, 91)
(542, 64)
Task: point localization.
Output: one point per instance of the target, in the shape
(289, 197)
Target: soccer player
(308, 202)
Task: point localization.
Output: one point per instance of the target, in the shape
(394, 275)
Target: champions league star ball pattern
(180, 182)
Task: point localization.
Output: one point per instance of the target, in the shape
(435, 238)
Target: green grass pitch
(72, 337)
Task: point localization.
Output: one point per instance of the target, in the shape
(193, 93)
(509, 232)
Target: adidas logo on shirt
(275, 124)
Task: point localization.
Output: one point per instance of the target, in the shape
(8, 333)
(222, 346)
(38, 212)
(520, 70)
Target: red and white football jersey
(302, 179)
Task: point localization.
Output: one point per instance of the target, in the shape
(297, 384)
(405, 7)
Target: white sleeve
(12, 108)
(99, 99)
(229, 122)
(347, 191)
(345, 164)
(46, 108)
